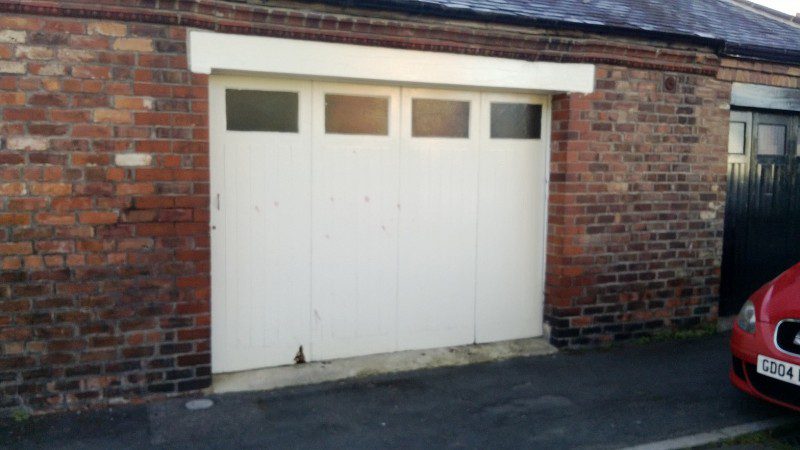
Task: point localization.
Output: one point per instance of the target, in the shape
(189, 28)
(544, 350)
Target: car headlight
(747, 317)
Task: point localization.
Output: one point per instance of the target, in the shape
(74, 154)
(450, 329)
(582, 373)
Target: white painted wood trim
(211, 52)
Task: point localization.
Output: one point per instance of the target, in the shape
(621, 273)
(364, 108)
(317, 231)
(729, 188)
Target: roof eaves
(762, 53)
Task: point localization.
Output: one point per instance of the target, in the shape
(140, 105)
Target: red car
(766, 342)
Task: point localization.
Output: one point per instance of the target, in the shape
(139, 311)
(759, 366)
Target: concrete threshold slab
(339, 369)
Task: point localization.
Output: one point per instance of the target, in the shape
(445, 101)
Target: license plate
(779, 370)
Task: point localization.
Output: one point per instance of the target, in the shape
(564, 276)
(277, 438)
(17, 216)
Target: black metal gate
(762, 214)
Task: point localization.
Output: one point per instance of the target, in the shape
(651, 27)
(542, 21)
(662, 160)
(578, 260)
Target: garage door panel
(261, 223)
(510, 226)
(509, 247)
(355, 185)
(437, 248)
(437, 230)
(266, 226)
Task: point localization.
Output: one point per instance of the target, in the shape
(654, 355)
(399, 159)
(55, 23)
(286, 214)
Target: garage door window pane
(439, 118)
(516, 121)
(736, 136)
(348, 114)
(248, 110)
(771, 140)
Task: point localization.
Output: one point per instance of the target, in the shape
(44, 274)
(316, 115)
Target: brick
(133, 103)
(47, 129)
(96, 42)
(52, 69)
(27, 204)
(26, 114)
(133, 159)
(92, 72)
(10, 159)
(115, 174)
(153, 118)
(155, 175)
(49, 99)
(13, 36)
(14, 219)
(71, 203)
(28, 143)
(134, 188)
(12, 98)
(155, 229)
(21, 23)
(69, 115)
(133, 44)
(51, 85)
(153, 146)
(34, 52)
(30, 84)
(112, 116)
(76, 55)
(90, 159)
(65, 26)
(55, 219)
(194, 360)
(95, 218)
(51, 188)
(154, 202)
(12, 67)
(152, 90)
(13, 189)
(115, 29)
(92, 131)
(47, 37)
(16, 248)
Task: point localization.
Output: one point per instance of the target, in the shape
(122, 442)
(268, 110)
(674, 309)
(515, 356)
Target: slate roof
(730, 26)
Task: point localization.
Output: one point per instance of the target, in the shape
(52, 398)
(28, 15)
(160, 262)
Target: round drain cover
(200, 403)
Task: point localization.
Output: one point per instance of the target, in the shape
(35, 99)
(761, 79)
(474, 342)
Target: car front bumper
(745, 348)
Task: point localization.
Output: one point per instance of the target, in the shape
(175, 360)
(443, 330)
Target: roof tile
(725, 20)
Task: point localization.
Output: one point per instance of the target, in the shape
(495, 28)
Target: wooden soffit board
(765, 97)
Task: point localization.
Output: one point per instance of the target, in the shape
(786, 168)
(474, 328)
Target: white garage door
(358, 219)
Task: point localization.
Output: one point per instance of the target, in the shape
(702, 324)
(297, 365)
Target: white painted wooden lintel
(211, 52)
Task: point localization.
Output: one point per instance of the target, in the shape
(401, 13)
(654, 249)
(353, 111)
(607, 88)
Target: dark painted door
(762, 214)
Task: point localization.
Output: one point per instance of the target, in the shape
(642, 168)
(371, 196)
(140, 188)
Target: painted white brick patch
(12, 67)
(133, 159)
(27, 143)
(52, 69)
(12, 36)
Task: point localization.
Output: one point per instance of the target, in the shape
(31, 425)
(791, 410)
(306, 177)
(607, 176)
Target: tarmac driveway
(595, 399)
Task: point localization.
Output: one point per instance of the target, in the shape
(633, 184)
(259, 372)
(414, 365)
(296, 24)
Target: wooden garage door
(762, 211)
(359, 219)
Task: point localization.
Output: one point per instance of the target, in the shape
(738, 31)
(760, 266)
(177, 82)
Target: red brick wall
(103, 213)
(637, 199)
(757, 72)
